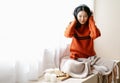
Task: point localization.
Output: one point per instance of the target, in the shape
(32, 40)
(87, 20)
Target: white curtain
(27, 27)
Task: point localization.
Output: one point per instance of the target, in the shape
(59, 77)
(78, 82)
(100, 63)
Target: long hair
(82, 7)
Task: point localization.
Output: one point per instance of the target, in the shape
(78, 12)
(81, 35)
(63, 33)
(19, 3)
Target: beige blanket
(107, 70)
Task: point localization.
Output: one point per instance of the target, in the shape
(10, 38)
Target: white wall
(107, 16)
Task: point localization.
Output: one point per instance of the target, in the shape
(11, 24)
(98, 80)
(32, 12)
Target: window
(28, 25)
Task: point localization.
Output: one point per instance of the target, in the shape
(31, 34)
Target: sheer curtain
(27, 27)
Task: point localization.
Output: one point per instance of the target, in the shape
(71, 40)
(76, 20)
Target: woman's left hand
(91, 19)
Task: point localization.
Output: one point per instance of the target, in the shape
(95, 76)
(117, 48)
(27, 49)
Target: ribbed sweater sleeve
(94, 31)
(69, 32)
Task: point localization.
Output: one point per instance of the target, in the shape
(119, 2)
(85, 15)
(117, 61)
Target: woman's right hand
(69, 32)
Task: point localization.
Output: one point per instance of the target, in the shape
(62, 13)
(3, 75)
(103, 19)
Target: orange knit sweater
(82, 45)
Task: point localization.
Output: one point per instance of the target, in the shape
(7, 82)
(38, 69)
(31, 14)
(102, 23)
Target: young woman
(82, 61)
(83, 31)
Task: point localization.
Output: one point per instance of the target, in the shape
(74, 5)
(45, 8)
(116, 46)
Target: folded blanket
(75, 68)
(81, 68)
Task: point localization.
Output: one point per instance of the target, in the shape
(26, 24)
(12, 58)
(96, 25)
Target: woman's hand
(94, 31)
(91, 19)
(69, 32)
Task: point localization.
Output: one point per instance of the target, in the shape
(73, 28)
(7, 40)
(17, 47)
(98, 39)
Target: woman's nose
(82, 18)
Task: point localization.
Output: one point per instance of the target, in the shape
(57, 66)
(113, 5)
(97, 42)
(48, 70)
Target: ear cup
(75, 13)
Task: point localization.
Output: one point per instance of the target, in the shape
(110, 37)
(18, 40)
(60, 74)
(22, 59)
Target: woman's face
(82, 17)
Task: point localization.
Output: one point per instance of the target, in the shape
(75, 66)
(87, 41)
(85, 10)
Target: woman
(82, 61)
(83, 31)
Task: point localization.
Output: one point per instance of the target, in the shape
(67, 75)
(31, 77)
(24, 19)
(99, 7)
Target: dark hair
(82, 7)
